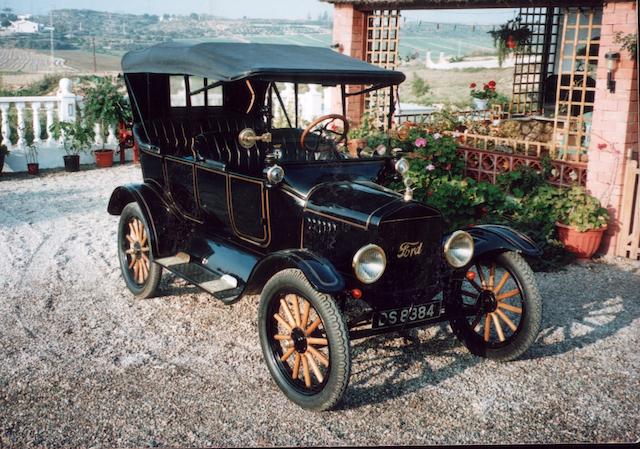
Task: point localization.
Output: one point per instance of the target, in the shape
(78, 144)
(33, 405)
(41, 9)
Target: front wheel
(509, 307)
(304, 341)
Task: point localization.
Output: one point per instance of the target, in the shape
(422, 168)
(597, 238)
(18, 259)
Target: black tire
(291, 286)
(513, 343)
(145, 285)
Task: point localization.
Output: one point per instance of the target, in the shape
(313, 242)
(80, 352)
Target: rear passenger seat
(210, 138)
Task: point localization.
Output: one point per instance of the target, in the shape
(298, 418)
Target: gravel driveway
(84, 364)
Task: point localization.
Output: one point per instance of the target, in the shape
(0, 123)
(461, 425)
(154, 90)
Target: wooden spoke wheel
(140, 273)
(304, 341)
(138, 251)
(508, 307)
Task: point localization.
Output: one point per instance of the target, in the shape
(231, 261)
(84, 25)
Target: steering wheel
(321, 129)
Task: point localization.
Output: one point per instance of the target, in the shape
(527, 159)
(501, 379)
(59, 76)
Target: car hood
(363, 204)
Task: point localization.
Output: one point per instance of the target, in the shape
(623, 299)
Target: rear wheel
(304, 341)
(141, 274)
(510, 307)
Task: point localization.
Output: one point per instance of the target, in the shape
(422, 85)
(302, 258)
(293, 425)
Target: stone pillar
(20, 127)
(614, 130)
(6, 129)
(48, 106)
(349, 33)
(35, 110)
(66, 101)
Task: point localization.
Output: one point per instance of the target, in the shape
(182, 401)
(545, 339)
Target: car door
(249, 208)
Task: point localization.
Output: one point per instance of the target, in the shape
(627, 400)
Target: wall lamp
(612, 64)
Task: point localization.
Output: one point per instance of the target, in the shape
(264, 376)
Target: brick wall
(614, 130)
(349, 29)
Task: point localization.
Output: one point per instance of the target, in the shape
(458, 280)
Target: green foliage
(524, 180)
(77, 136)
(37, 88)
(579, 209)
(365, 129)
(420, 89)
(628, 42)
(105, 105)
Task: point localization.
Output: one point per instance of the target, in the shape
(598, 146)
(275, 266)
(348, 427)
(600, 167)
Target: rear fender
(156, 212)
(320, 273)
(498, 238)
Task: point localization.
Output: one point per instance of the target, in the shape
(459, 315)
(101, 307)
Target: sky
(263, 9)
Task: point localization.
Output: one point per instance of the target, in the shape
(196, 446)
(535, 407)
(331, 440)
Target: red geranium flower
(492, 83)
(472, 85)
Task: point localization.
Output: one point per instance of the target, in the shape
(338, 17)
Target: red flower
(602, 146)
(472, 85)
(486, 86)
(492, 83)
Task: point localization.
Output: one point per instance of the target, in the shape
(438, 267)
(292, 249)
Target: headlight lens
(458, 249)
(369, 263)
(402, 166)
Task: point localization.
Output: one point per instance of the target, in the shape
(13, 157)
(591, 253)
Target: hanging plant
(510, 37)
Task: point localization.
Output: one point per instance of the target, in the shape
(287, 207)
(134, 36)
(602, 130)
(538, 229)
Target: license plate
(406, 315)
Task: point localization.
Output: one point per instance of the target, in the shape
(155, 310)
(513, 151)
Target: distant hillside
(114, 33)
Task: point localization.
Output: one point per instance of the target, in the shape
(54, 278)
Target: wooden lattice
(536, 62)
(383, 30)
(576, 82)
(629, 239)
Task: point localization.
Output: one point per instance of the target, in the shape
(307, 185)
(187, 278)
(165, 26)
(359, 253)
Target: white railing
(61, 107)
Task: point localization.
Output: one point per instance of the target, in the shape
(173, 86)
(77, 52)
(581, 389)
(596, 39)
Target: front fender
(497, 238)
(155, 210)
(320, 273)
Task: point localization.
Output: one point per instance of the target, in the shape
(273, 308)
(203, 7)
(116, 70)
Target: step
(222, 286)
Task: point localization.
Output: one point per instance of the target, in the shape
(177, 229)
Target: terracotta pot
(354, 144)
(583, 244)
(33, 168)
(104, 158)
(71, 162)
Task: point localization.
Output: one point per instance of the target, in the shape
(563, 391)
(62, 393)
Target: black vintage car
(239, 207)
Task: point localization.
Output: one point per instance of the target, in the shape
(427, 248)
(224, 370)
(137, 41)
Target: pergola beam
(368, 5)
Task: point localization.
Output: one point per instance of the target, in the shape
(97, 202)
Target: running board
(222, 286)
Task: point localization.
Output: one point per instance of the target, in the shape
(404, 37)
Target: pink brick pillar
(614, 130)
(349, 28)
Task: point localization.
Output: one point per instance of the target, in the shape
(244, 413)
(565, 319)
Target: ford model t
(239, 206)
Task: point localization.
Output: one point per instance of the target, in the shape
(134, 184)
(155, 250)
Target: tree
(5, 23)
(420, 89)
(193, 16)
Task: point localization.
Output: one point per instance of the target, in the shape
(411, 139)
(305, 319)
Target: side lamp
(612, 64)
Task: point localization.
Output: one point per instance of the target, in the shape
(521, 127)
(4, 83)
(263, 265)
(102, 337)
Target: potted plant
(510, 37)
(104, 105)
(581, 222)
(481, 97)
(32, 159)
(4, 151)
(77, 136)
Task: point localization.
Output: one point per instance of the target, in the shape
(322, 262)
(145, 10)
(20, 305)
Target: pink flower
(437, 136)
(420, 142)
(430, 167)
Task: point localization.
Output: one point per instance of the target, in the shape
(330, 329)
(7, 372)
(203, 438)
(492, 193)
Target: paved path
(84, 364)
